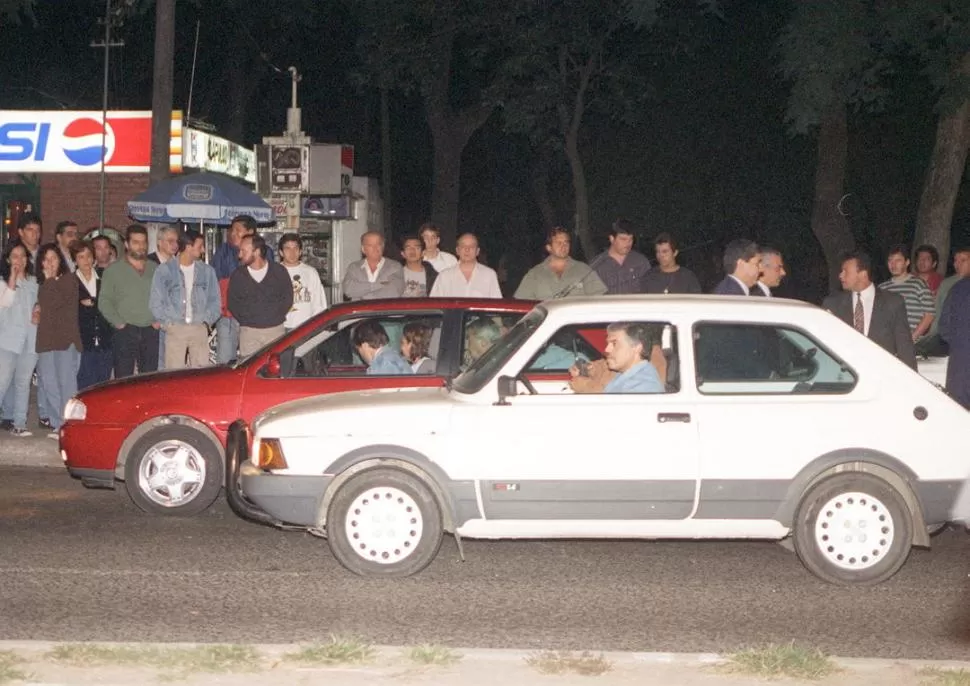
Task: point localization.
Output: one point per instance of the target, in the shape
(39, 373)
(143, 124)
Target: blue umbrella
(202, 197)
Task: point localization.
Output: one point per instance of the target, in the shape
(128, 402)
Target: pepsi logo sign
(63, 141)
(83, 139)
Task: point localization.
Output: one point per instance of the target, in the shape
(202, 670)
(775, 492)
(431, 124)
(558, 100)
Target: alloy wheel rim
(171, 473)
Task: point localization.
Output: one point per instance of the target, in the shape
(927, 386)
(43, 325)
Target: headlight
(75, 409)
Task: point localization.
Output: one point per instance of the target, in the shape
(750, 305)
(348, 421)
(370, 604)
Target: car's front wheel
(853, 529)
(384, 522)
(173, 470)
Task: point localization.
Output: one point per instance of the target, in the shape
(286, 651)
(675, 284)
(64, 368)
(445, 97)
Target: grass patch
(563, 662)
(338, 650)
(8, 668)
(183, 661)
(936, 676)
(433, 655)
(787, 660)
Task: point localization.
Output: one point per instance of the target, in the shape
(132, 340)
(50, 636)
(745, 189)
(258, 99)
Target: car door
(771, 398)
(580, 456)
(323, 360)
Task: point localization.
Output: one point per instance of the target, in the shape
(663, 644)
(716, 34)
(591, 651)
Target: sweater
(96, 332)
(125, 293)
(263, 304)
(58, 328)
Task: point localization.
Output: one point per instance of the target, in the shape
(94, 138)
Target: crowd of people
(75, 314)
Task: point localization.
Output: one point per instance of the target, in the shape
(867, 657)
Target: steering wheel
(528, 385)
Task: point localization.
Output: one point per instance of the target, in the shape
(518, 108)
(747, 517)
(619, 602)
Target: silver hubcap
(384, 525)
(854, 531)
(171, 473)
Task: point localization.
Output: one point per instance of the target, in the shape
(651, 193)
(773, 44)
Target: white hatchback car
(778, 421)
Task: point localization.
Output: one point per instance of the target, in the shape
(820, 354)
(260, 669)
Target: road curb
(275, 650)
(36, 451)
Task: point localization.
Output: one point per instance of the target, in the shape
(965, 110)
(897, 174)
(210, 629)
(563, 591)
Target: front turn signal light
(270, 455)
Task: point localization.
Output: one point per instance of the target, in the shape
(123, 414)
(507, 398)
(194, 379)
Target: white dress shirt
(764, 289)
(451, 283)
(372, 275)
(442, 261)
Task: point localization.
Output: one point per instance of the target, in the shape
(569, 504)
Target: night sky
(709, 159)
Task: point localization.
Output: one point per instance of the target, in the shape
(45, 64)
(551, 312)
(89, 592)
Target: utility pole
(162, 87)
(111, 20)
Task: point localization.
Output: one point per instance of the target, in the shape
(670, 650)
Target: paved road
(86, 565)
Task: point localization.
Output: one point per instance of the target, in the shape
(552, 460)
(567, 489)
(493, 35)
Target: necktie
(859, 316)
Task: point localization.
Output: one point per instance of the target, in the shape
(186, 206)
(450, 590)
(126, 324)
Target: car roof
(404, 304)
(687, 303)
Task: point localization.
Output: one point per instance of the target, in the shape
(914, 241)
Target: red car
(164, 434)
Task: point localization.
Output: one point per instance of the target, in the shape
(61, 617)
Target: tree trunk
(540, 189)
(450, 129)
(243, 83)
(386, 162)
(162, 87)
(581, 192)
(829, 226)
(943, 178)
(446, 184)
(570, 119)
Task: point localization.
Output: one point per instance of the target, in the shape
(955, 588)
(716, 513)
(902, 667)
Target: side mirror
(274, 367)
(507, 388)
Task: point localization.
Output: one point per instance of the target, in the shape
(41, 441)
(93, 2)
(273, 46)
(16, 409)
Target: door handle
(665, 417)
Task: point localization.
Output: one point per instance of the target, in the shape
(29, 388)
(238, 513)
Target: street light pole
(107, 44)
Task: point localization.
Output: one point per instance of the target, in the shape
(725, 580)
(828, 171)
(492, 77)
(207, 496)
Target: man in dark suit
(742, 266)
(877, 313)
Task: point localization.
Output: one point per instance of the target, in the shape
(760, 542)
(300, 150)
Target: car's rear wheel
(853, 529)
(173, 470)
(384, 522)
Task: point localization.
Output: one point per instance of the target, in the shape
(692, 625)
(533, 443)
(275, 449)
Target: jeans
(95, 367)
(15, 372)
(135, 344)
(57, 375)
(7, 408)
(227, 340)
(161, 350)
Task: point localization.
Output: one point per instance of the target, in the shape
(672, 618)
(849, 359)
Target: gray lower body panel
(535, 499)
(939, 500)
(741, 498)
(466, 504)
(290, 499)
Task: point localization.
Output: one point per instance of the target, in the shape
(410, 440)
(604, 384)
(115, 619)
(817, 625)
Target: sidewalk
(35, 451)
(49, 664)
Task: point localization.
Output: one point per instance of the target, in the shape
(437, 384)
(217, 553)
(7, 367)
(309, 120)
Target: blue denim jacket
(389, 361)
(167, 301)
(17, 333)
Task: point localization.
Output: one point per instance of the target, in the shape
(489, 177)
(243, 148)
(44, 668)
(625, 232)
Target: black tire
(895, 519)
(396, 486)
(168, 438)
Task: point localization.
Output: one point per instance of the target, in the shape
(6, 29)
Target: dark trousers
(135, 344)
(96, 366)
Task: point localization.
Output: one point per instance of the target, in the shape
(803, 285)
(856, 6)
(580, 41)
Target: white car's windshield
(484, 368)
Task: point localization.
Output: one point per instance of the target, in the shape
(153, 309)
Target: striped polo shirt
(918, 297)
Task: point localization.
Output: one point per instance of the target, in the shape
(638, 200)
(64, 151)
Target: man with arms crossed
(260, 296)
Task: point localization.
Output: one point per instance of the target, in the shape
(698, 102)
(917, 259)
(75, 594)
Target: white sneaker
(20, 433)
(54, 435)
